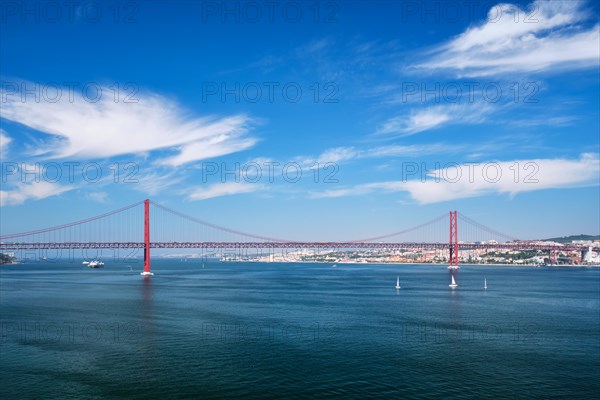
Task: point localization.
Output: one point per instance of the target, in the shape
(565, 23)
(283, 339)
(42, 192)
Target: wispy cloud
(340, 155)
(24, 184)
(444, 184)
(212, 147)
(548, 35)
(561, 121)
(222, 189)
(31, 190)
(4, 143)
(418, 121)
(102, 129)
(311, 48)
(337, 154)
(155, 181)
(414, 150)
(433, 117)
(98, 197)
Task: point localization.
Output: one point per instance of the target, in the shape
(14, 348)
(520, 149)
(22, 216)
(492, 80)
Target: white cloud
(483, 179)
(414, 150)
(313, 47)
(31, 190)
(549, 35)
(366, 188)
(222, 189)
(27, 184)
(418, 121)
(4, 143)
(213, 147)
(156, 181)
(261, 160)
(98, 197)
(548, 121)
(82, 129)
(340, 155)
(435, 117)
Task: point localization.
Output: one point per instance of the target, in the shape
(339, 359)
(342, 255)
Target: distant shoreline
(16, 262)
(403, 263)
(433, 264)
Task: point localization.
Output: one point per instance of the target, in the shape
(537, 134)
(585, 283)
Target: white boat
(398, 283)
(95, 264)
(85, 262)
(453, 285)
(484, 283)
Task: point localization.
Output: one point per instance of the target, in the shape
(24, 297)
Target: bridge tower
(453, 264)
(146, 239)
(453, 247)
(553, 257)
(586, 255)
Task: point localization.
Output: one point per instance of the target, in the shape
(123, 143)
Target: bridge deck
(286, 245)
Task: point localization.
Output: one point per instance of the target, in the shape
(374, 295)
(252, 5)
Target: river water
(270, 331)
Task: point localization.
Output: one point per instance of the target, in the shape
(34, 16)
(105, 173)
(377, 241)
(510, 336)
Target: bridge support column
(453, 247)
(553, 257)
(453, 263)
(586, 255)
(146, 239)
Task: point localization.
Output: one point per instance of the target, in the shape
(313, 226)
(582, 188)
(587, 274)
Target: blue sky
(378, 104)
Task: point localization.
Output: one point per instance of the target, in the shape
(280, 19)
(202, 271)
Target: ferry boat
(95, 264)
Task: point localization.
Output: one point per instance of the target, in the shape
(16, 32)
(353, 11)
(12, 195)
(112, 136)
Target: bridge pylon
(453, 245)
(146, 271)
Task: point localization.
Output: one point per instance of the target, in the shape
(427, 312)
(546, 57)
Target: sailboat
(398, 283)
(484, 283)
(453, 285)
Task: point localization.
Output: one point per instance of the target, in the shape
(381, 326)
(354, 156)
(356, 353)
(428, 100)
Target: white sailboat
(484, 283)
(398, 283)
(453, 285)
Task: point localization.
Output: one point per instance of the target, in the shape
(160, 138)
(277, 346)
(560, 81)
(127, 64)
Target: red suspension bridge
(170, 229)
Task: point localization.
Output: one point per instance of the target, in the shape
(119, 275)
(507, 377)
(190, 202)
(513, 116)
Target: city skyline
(493, 113)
